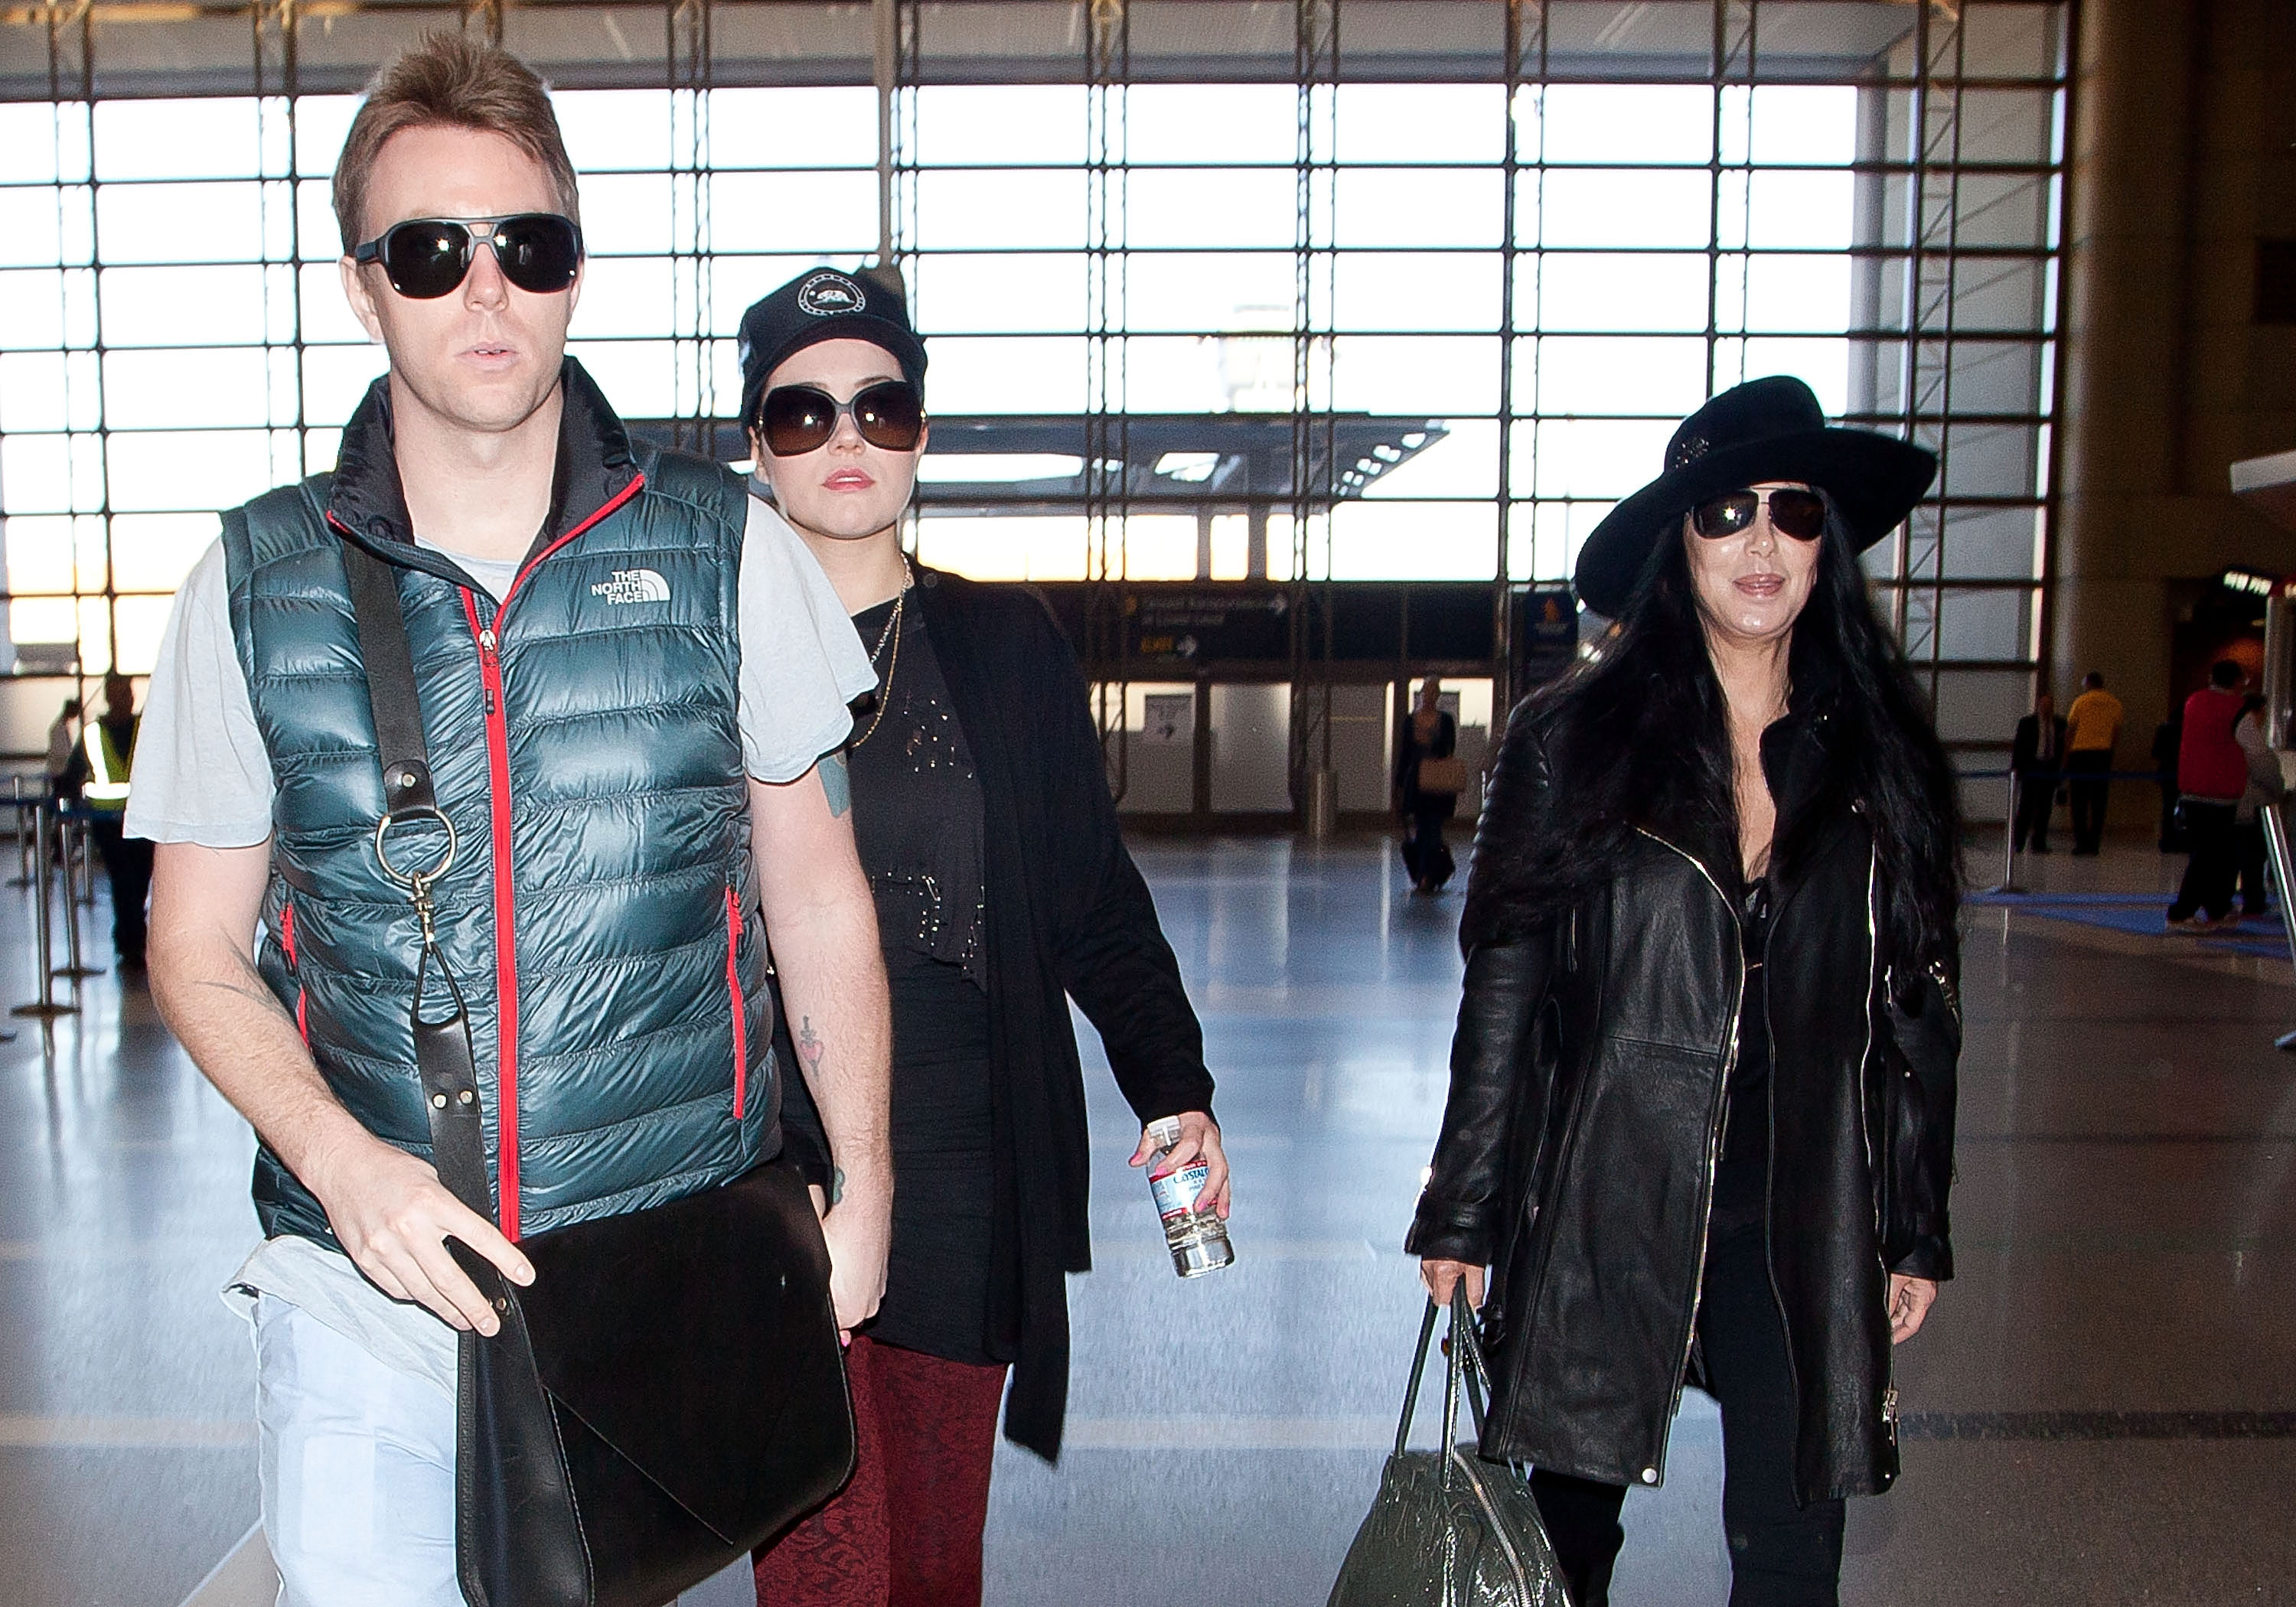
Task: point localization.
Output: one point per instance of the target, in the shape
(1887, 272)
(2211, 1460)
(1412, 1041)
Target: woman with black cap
(1700, 1118)
(983, 818)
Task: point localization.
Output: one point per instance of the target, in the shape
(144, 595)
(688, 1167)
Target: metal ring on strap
(414, 880)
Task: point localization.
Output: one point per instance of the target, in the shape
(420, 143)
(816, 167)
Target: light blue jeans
(358, 1464)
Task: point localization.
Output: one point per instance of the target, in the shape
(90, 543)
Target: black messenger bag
(669, 1393)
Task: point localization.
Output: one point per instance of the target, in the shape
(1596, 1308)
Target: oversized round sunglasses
(427, 258)
(1793, 511)
(798, 419)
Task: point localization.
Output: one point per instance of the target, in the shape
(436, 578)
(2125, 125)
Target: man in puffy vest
(2211, 774)
(634, 686)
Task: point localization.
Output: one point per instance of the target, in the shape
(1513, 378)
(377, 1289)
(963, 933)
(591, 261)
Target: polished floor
(2102, 1409)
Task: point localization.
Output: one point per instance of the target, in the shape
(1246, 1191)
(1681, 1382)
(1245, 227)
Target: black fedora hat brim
(1875, 480)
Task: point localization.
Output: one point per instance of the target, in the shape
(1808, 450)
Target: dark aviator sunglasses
(427, 258)
(798, 419)
(1793, 511)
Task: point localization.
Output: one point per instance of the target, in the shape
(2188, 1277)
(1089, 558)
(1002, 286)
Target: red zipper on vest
(741, 1011)
(287, 942)
(490, 642)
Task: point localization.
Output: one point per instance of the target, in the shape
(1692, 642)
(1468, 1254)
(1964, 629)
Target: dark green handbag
(1449, 1529)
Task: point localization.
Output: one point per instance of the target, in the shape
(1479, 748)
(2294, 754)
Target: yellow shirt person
(2092, 727)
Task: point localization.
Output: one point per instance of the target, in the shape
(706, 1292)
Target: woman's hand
(1199, 1139)
(1441, 1277)
(1910, 1299)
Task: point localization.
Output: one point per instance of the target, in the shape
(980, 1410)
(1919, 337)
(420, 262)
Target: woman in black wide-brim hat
(1700, 1118)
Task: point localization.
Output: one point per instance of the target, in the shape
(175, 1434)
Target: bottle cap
(1164, 1132)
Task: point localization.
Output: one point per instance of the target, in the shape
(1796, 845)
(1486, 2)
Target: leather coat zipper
(1713, 1148)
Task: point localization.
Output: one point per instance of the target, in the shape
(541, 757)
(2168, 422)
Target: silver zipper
(1713, 1156)
(1877, 978)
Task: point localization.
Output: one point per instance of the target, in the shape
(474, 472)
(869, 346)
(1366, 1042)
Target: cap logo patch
(633, 586)
(829, 295)
(1687, 450)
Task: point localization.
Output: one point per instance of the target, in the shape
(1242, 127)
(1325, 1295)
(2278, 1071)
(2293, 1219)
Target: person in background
(63, 744)
(99, 769)
(1711, 957)
(985, 824)
(2167, 737)
(1427, 787)
(2035, 757)
(2265, 786)
(2092, 727)
(2212, 775)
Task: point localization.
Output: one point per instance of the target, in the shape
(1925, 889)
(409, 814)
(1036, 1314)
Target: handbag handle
(1465, 1367)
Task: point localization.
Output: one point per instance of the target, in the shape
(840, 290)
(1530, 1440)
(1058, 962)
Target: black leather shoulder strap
(442, 1046)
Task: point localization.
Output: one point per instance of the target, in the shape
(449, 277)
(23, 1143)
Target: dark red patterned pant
(906, 1531)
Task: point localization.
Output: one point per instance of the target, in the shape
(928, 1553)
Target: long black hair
(1641, 730)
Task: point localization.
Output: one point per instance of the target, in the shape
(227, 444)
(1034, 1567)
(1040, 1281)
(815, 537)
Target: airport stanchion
(44, 1008)
(2275, 820)
(2009, 842)
(71, 834)
(23, 877)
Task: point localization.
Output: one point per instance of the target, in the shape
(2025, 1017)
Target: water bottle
(1197, 1239)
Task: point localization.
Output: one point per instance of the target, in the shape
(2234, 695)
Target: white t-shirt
(202, 776)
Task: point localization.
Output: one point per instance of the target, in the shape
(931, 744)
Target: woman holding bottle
(983, 814)
(1700, 1118)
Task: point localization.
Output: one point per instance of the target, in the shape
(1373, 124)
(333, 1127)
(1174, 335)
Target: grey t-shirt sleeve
(202, 774)
(801, 662)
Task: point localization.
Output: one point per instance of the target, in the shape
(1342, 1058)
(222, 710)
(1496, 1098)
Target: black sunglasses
(1798, 514)
(798, 419)
(427, 258)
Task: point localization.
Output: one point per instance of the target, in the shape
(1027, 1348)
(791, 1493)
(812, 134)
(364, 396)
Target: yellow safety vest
(106, 787)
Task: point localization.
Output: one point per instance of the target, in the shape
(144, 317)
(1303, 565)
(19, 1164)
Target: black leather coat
(1578, 1146)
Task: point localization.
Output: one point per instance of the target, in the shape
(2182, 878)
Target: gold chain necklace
(891, 633)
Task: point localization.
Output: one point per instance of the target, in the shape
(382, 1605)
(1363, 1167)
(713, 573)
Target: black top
(1065, 915)
(1742, 1178)
(917, 823)
(917, 802)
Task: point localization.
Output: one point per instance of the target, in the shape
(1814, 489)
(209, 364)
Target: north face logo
(633, 586)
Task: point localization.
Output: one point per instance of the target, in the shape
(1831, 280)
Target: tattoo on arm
(809, 1047)
(836, 1185)
(836, 782)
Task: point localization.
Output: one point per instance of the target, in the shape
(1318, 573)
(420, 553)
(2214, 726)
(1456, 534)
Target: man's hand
(1910, 1299)
(394, 1218)
(1441, 1277)
(1199, 1136)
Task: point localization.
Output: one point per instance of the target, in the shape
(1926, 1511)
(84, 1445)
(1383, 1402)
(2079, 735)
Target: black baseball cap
(824, 304)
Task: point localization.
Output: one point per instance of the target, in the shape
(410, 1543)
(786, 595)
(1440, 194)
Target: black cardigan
(1068, 916)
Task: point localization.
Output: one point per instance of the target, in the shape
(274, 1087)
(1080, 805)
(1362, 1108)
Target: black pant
(2213, 864)
(1781, 1553)
(2088, 797)
(128, 861)
(2036, 799)
(1425, 855)
(2253, 885)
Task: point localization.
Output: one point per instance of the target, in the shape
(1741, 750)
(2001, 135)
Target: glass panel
(1414, 541)
(825, 128)
(1413, 290)
(1205, 206)
(1604, 293)
(1251, 749)
(1212, 123)
(1614, 209)
(784, 212)
(176, 139)
(1421, 122)
(1626, 123)
(1002, 294)
(1031, 125)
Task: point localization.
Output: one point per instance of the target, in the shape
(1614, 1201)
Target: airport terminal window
(1868, 196)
